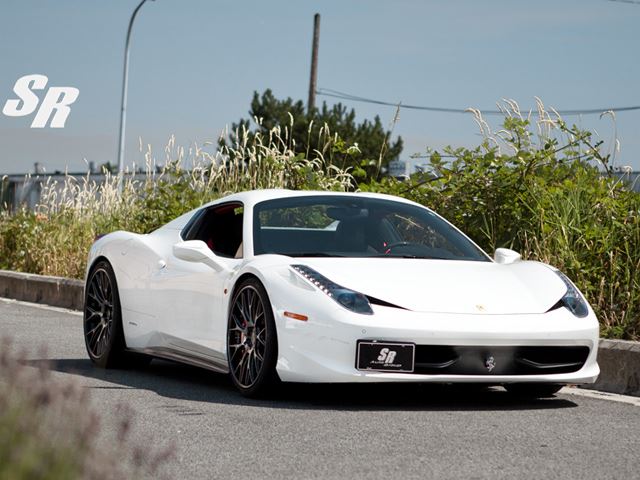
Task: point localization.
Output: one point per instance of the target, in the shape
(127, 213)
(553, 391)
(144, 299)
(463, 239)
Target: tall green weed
(543, 188)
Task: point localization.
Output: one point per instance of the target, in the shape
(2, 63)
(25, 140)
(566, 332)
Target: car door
(188, 295)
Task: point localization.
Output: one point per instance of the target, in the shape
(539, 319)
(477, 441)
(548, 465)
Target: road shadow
(183, 382)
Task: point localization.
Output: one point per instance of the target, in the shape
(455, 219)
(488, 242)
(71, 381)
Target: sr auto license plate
(385, 357)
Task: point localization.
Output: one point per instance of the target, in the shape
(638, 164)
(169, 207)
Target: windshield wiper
(311, 254)
(423, 257)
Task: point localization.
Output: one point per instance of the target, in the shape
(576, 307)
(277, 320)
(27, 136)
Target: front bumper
(323, 349)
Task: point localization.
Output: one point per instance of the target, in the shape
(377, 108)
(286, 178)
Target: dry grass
(55, 239)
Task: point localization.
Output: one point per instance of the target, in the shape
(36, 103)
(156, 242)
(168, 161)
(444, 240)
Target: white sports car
(301, 286)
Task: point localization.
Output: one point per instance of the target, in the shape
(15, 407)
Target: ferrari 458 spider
(279, 285)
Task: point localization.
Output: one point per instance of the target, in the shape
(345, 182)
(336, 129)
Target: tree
(376, 148)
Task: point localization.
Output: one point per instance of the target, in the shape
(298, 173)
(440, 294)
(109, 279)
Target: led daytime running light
(349, 299)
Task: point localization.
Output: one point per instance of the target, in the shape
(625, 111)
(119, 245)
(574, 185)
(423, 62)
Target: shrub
(375, 147)
(536, 185)
(543, 188)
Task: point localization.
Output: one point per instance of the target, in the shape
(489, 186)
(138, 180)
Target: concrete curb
(55, 291)
(619, 359)
(619, 362)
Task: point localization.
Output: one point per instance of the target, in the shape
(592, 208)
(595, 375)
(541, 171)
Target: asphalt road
(342, 431)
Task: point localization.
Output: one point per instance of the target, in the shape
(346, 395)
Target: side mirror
(198, 252)
(506, 256)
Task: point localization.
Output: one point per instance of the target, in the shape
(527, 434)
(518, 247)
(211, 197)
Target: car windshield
(348, 226)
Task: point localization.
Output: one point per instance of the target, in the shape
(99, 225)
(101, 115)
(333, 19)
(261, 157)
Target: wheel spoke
(93, 296)
(260, 336)
(237, 367)
(245, 309)
(258, 313)
(93, 329)
(96, 292)
(106, 289)
(238, 322)
(234, 355)
(259, 357)
(247, 367)
(243, 370)
(94, 340)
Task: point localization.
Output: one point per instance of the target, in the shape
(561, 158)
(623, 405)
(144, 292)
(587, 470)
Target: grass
(535, 184)
(55, 238)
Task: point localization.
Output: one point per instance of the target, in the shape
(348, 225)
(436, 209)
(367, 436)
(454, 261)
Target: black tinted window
(345, 226)
(220, 227)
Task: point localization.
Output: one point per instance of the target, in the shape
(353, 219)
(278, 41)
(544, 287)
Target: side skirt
(181, 356)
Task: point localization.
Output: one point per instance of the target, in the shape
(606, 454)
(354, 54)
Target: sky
(195, 65)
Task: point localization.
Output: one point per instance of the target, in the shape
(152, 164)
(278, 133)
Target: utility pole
(123, 106)
(314, 63)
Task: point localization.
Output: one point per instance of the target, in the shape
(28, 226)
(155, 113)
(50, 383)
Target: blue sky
(196, 63)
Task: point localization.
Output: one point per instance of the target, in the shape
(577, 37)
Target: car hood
(447, 286)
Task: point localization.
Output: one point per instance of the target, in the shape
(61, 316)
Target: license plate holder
(380, 356)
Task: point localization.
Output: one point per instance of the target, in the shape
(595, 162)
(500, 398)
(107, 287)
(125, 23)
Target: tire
(102, 320)
(252, 345)
(533, 390)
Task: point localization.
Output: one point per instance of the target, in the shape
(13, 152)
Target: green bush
(536, 185)
(539, 192)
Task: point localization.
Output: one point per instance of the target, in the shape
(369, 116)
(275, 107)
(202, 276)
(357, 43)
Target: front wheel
(533, 390)
(252, 346)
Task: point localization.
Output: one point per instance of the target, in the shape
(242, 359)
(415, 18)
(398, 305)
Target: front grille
(498, 360)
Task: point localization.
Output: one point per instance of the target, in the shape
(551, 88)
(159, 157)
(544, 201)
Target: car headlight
(573, 299)
(349, 299)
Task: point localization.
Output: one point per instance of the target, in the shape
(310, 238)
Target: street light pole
(123, 106)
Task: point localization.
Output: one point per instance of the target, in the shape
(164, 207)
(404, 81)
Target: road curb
(619, 360)
(54, 291)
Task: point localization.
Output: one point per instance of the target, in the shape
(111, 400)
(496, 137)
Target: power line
(328, 92)
(633, 2)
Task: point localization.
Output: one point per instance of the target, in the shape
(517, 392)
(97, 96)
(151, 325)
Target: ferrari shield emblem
(490, 363)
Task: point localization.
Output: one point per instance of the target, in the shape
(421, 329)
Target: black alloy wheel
(251, 340)
(102, 320)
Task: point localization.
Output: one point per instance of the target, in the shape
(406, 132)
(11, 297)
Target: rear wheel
(103, 334)
(533, 390)
(252, 347)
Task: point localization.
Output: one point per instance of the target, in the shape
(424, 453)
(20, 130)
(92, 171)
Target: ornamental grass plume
(54, 240)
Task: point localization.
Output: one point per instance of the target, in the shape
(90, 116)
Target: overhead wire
(328, 92)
